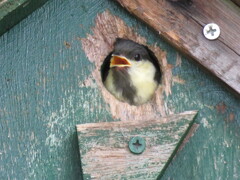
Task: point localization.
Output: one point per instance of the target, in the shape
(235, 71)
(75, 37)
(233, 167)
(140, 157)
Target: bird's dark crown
(130, 50)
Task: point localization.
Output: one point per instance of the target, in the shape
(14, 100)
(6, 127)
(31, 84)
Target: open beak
(119, 61)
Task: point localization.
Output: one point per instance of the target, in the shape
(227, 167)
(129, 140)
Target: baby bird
(131, 72)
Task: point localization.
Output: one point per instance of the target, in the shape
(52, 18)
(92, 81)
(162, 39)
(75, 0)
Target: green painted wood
(42, 98)
(13, 11)
(105, 151)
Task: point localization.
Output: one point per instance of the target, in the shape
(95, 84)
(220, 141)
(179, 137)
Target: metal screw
(137, 145)
(211, 31)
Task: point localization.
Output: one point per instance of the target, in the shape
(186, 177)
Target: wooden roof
(181, 24)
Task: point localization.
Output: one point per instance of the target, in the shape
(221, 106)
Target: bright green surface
(41, 100)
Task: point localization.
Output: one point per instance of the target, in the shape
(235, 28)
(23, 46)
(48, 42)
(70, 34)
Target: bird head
(131, 72)
(127, 53)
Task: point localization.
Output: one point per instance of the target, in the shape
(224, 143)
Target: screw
(137, 145)
(211, 31)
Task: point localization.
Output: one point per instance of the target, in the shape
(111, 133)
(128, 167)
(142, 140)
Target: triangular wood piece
(105, 153)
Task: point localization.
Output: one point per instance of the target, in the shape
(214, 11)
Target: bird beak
(119, 61)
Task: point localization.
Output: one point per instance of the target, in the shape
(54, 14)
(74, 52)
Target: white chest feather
(142, 76)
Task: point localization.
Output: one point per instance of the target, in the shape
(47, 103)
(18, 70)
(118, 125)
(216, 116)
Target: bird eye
(137, 57)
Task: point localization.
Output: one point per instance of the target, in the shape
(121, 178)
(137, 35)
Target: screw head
(211, 31)
(137, 145)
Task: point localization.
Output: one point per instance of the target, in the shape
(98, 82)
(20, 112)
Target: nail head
(211, 31)
(137, 145)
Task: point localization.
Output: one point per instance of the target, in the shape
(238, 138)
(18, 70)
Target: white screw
(211, 31)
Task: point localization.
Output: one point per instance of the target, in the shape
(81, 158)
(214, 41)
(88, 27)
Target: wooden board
(44, 93)
(182, 25)
(237, 2)
(104, 147)
(13, 11)
(99, 44)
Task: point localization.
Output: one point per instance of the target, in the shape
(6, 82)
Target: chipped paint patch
(32, 157)
(109, 140)
(177, 79)
(166, 69)
(230, 117)
(221, 107)
(100, 44)
(206, 123)
(178, 60)
(56, 122)
(67, 44)
(52, 140)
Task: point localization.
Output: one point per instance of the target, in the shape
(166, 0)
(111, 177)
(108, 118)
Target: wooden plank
(13, 11)
(182, 25)
(44, 93)
(237, 2)
(99, 44)
(105, 153)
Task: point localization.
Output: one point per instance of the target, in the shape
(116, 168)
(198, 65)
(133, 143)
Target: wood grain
(182, 26)
(99, 44)
(104, 147)
(237, 2)
(43, 97)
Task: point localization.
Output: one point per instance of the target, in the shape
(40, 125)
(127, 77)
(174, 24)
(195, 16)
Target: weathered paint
(105, 150)
(43, 96)
(13, 11)
(97, 46)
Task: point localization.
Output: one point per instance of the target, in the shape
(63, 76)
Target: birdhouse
(120, 89)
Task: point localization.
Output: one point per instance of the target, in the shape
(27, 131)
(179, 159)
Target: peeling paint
(206, 123)
(52, 141)
(221, 107)
(178, 60)
(97, 46)
(161, 139)
(56, 122)
(231, 117)
(177, 79)
(34, 86)
(67, 44)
